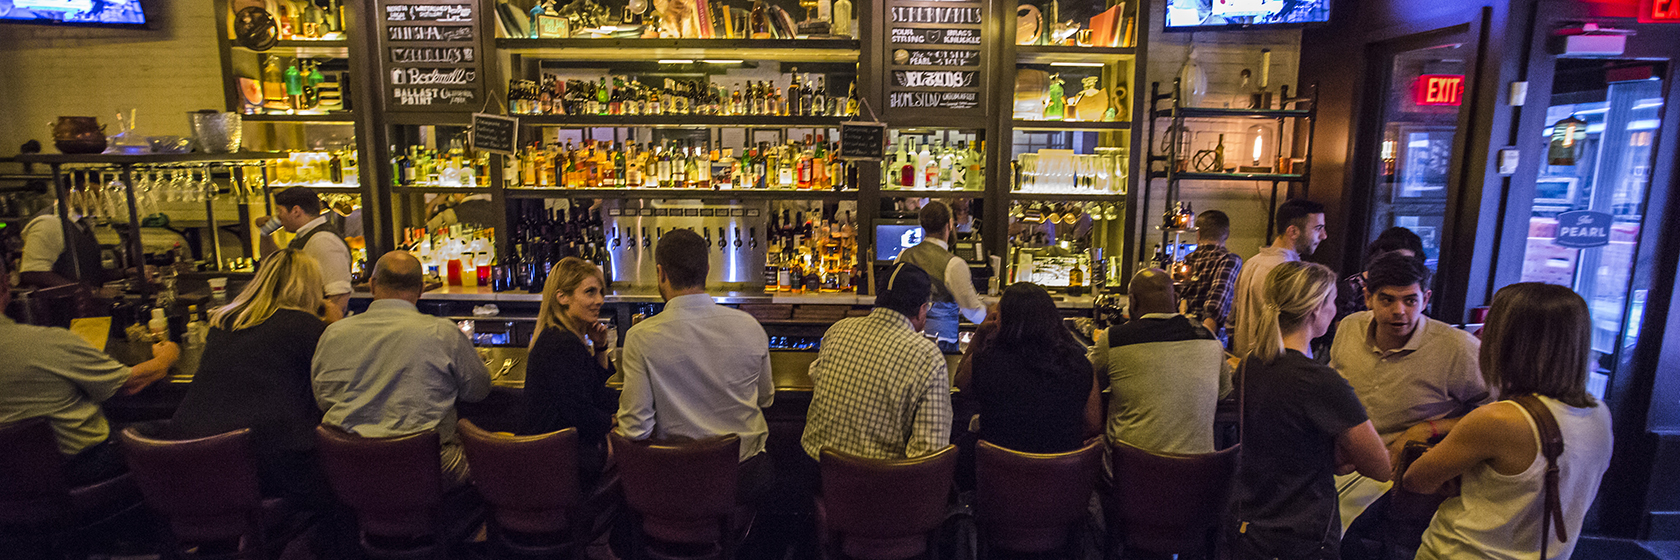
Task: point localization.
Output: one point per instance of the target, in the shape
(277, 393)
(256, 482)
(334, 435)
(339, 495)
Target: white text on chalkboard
(936, 14)
(439, 12)
(433, 76)
(441, 33)
(938, 57)
(933, 79)
(933, 100)
(905, 35)
(434, 55)
(433, 96)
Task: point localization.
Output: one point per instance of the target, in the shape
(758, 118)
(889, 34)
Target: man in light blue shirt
(393, 371)
(697, 369)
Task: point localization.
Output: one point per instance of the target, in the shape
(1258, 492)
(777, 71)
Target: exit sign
(1659, 11)
(1442, 89)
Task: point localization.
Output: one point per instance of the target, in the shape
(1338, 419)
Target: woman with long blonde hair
(1301, 425)
(254, 373)
(567, 368)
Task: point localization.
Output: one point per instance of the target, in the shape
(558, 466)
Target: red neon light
(1442, 89)
(1659, 11)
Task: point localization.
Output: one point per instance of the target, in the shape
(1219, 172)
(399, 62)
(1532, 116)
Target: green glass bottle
(1056, 106)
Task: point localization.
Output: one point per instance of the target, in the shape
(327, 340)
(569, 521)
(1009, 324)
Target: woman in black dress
(254, 374)
(1031, 380)
(566, 376)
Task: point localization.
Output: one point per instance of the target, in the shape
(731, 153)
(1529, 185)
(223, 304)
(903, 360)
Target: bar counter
(484, 294)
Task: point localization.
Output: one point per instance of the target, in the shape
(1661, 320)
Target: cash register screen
(893, 238)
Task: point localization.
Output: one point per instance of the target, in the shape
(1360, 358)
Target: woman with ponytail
(1301, 426)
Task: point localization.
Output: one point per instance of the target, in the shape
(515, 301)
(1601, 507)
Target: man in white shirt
(698, 369)
(1300, 228)
(953, 285)
(298, 210)
(48, 262)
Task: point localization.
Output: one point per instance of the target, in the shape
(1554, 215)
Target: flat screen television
(100, 13)
(894, 236)
(1196, 15)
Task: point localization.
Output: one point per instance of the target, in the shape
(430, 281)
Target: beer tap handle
(752, 238)
(723, 240)
(737, 237)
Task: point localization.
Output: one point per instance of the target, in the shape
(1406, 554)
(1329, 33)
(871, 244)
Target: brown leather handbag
(1551, 445)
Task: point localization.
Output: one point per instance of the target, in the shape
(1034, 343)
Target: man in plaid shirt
(881, 388)
(1213, 273)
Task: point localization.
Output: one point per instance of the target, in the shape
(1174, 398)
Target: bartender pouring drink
(953, 285)
(298, 210)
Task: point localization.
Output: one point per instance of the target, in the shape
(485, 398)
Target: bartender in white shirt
(48, 261)
(953, 284)
(298, 210)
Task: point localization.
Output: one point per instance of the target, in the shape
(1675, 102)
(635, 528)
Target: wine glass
(178, 189)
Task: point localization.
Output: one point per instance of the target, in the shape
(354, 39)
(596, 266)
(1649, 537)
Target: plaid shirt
(881, 390)
(1213, 282)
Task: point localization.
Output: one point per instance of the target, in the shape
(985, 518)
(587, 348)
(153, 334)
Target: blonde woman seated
(566, 376)
(255, 373)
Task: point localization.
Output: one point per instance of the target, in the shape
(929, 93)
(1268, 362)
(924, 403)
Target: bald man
(393, 371)
(1167, 372)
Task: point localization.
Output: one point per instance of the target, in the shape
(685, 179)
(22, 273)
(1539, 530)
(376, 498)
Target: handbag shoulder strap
(1551, 445)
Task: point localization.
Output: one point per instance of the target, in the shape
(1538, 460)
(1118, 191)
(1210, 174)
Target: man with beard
(1300, 228)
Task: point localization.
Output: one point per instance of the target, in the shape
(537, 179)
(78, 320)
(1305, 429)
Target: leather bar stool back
(206, 488)
(1031, 502)
(37, 506)
(393, 484)
(880, 509)
(1169, 504)
(684, 494)
(530, 483)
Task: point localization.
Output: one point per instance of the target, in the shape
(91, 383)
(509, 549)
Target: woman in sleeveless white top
(1537, 341)
(1498, 516)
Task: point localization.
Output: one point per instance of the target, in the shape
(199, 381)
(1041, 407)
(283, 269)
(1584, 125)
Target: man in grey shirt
(1165, 372)
(1417, 376)
(393, 371)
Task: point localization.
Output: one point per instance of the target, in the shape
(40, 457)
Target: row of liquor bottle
(815, 259)
(459, 255)
(809, 165)
(455, 166)
(305, 20)
(294, 85)
(628, 96)
(334, 167)
(937, 167)
(703, 20)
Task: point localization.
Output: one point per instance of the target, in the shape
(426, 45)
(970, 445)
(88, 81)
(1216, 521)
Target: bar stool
(883, 509)
(1168, 504)
(39, 510)
(1034, 503)
(207, 488)
(684, 495)
(395, 486)
(531, 484)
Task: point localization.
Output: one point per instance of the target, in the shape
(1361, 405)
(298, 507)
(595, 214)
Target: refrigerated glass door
(1590, 195)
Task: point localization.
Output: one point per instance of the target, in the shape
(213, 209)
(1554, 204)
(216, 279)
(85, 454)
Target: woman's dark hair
(1538, 339)
(1029, 323)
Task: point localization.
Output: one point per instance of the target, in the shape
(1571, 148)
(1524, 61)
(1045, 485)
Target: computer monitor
(894, 236)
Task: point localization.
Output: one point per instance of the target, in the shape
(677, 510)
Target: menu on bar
(431, 55)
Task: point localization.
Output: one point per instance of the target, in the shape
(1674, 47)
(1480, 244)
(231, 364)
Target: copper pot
(79, 135)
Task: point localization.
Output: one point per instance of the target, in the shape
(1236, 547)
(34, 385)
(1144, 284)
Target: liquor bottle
(947, 161)
(794, 91)
(926, 168)
(759, 21)
(819, 96)
(906, 163)
(851, 95)
(691, 168)
(785, 269)
(772, 270)
(620, 168)
(662, 168)
(603, 97)
(1076, 280)
(836, 168)
(803, 171)
(842, 18)
(784, 167)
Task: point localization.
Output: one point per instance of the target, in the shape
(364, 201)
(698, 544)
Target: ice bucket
(217, 133)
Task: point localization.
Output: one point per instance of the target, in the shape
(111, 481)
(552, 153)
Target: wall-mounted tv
(109, 13)
(1196, 15)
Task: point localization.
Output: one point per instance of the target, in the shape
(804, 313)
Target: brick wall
(1222, 55)
(164, 72)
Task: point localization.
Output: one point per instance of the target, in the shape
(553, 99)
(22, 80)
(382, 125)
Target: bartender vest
(300, 241)
(86, 266)
(933, 259)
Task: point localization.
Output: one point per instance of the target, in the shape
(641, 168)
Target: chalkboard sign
(948, 77)
(863, 141)
(431, 56)
(495, 133)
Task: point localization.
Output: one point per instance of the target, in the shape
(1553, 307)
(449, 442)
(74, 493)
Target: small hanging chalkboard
(494, 133)
(863, 141)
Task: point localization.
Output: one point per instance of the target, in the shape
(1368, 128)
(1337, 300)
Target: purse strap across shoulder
(1551, 445)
